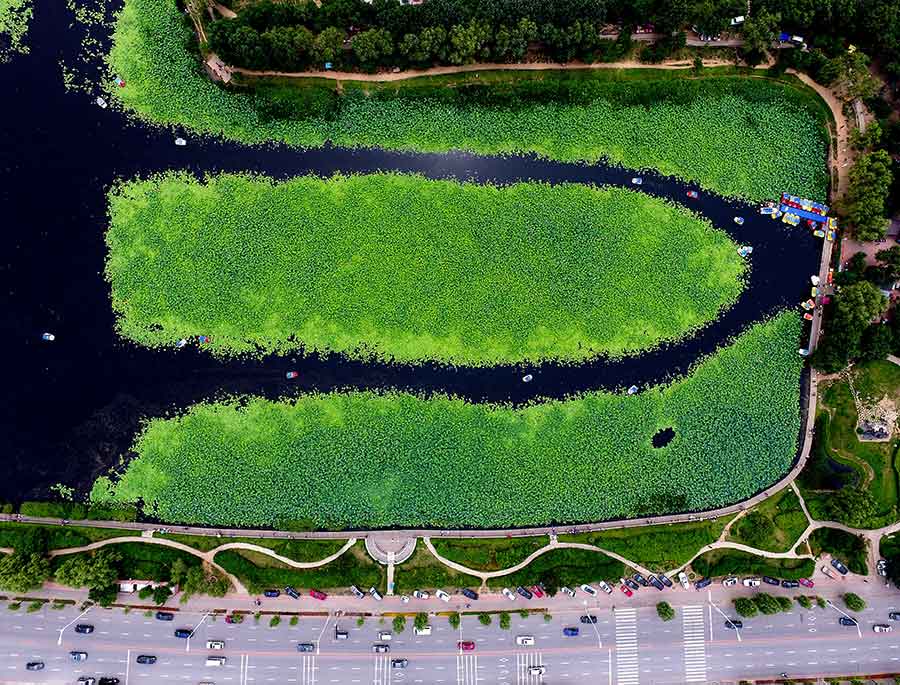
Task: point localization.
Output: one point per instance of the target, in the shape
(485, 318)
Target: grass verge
(488, 554)
(726, 562)
(560, 567)
(422, 571)
(773, 526)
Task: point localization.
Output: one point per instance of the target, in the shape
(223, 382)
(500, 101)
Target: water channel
(72, 407)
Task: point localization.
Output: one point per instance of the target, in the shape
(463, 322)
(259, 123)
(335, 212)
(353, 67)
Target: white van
(525, 640)
(215, 661)
(422, 631)
(215, 644)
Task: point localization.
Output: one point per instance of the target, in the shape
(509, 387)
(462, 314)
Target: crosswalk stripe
(694, 644)
(627, 667)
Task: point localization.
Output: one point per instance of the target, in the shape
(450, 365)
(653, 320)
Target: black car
(272, 593)
(306, 647)
(471, 594)
(789, 583)
(84, 628)
(843, 570)
(146, 659)
(183, 633)
(590, 618)
(165, 616)
(771, 581)
(640, 579)
(34, 666)
(845, 621)
(665, 580)
(654, 581)
(291, 592)
(399, 663)
(525, 593)
(630, 583)
(702, 583)
(108, 681)
(734, 624)
(894, 615)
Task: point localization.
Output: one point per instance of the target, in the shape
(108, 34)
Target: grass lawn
(410, 450)
(725, 562)
(141, 561)
(851, 549)
(298, 550)
(259, 571)
(422, 571)
(400, 267)
(57, 537)
(658, 548)
(488, 554)
(560, 567)
(721, 130)
(787, 524)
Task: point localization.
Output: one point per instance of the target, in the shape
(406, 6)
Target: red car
(806, 582)
(628, 593)
(692, 194)
(317, 594)
(537, 591)
(466, 645)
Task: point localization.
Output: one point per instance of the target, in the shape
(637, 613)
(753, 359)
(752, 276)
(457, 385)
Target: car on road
(341, 634)
(570, 631)
(272, 593)
(536, 670)
(626, 590)
(729, 581)
(894, 615)
(525, 640)
(441, 595)
(291, 592)
(637, 180)
(318, 594)
(359, 594)
(588, 618)
(420, 594)
(654, 581)
(465, 645)
(524, 592)
(381, 649)
(665, 580)
(215, 661)
(78, 656)
(640, 580)
(568, 591)
(508, 594)
(827, 572)
(306, 647)
(845, 621)
(385, 636)
(605, 586)
(183, 633)
(537, 591)
(843, 570)
(108, 681)
(85, 628)
(588, 589)
(702, 583)
(683, 579)
(424, 630)
(882, 628)
(215, 644)
(374, 592)
(769, 580)
(399, 663)
(86, 680)
(470, 594)
(806, 582)
(146, 659)
(34, 666)
(751, 582)
(790, 583)
(734, 624)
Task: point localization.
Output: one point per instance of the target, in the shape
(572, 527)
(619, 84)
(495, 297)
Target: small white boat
(814, 279)
(180, 142)
(49, 337)
(803, 352)
(181, 343)
(637, 180)
(739, 220)
(101, 102)
(527, 378)
(633, 390)
(745, 250)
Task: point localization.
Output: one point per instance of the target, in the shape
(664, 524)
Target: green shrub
(32, 607)
(274, 621)
(804, 601)
(454, 620)
(484, 619)
(420, 620)
(399, 624)
(854, 602)
(504, 620)
(295, 620)
(665, 611)
(745, 607)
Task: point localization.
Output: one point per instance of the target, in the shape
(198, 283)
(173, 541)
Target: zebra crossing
(382, 670)
(694, 627)
(466, 669)
(627, 668)
(308, 669)
(525, 661)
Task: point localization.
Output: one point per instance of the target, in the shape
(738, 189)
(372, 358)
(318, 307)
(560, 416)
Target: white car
(525, 640)
(420, 594)
(215, 644)
(567, 590)
(508, 594)
(385, 636)
(882, 628)
(750, 582)
(827, 572)
(605, 587)
(425, 630)
(728, 582)
(443, 596)
(404, 599)
(683, 579)
(536, 670)
(588, 589)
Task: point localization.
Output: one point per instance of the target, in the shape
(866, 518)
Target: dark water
(71, 407)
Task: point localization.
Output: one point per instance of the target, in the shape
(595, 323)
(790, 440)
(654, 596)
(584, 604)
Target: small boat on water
(809, 305)
(49, 337)
(693, 194)
(808, 316)
(803, 352)
(637, 180)
(814, 279)
(291, 375)
(180, 142)
(739, 220)
(819, 233)
(633, 390)
(101, 102)
(203, 339)
(745, 250)
(791, 219)
(527, 378)
(814, 291)
(768, 210)
(120, 82)
(181, 343)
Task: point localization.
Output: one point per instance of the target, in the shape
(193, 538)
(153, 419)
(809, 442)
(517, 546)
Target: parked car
(399, 663)
(734, 624)
(381, 649)
(771, 581)
(404, 599)
(882, 628)
(626, 590)
(441, 595)
(588, 589)
(702, 583)
(183, 633)
(215, 644)
(843, 570)
(466, 645)
(87, 628)
(605, 587)
(683, 579)
(318, 594)
(357, 592)
(640, 580)
(589, 618)
(729, 581)
(525, 640)
(306, 647)
(570, 632)
(630, 583)
(272, 593)
(78, 656)
(146, 659)
(790, 583)
(291, 592)
(374, 592)
(537, 591)
(470, 594)
(751, 582)
(894, 615)
(665, 580)
(34, 666)
(654, 581)
(525, 593)
(568, 591)
(508, 594)
(420, 594)
(845, 621)
(806, 582)
(827, 572)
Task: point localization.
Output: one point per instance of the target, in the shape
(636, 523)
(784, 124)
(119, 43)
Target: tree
(453, 619)
(468, 42)
(877, 342)
(161, 594)
(504, 620)
(865, 204)
(756, 528)
(854, 602)
(852, 506)
(759, 31)
(23, 572)
(289, 47)
(766, 603)
(97, 570)
(511, 43)
(197, 581)
(177, 571)
(484, 619)
(849, 76)
(890, 260)
(854, 309)
(784, 603)
(420, 620)
(804, 601)
(399, 624)
(860, 141)
(745, 607)
(372, 47)
(103, 595)
(665, 611)
(328, 45)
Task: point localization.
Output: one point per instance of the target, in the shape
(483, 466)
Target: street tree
(854, 602)
(665, 611)
(23, 572)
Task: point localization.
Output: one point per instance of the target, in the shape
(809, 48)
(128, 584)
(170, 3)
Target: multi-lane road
(628, 646)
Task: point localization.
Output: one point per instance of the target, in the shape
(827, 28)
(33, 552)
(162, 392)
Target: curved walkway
(284, 560)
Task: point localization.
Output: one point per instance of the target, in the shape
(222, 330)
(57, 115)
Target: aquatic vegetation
(367, 459)
(15, 16)
(403, 267)
(727, 133)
